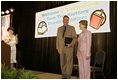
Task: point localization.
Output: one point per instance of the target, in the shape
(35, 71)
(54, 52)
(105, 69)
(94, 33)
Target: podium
(5, 54)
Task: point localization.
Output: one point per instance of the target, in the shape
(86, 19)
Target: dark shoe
(64, 78)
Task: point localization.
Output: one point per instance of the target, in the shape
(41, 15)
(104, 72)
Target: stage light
(11, 9)
(7, 11)
(2, 12)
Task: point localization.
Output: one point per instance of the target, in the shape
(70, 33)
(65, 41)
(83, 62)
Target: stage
(44, 75)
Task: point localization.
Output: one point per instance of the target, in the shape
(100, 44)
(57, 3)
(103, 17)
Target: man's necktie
(64, 30)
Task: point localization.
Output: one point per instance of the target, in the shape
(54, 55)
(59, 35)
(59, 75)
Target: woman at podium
(11, 40)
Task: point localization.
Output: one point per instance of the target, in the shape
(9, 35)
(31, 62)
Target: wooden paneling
(5, 54)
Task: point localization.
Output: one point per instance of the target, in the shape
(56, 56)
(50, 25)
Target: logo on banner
(97, 19)
(42, 28)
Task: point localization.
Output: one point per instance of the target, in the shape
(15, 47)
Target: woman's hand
(6, 40)
(16, 38)
(87, 57)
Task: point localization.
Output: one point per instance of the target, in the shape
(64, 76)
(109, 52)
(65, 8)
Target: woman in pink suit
(84, 50)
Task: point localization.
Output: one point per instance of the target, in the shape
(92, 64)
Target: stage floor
(44, 75)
